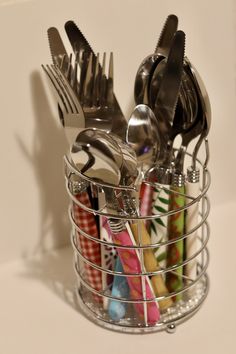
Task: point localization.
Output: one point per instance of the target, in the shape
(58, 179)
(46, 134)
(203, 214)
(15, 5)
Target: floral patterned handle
(160, 204)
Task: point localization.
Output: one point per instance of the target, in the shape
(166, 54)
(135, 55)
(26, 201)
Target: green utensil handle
(174, 280)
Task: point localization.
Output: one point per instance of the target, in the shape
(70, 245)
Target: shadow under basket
(140, 257)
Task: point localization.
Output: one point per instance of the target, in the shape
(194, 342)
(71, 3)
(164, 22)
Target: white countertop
(38, 312)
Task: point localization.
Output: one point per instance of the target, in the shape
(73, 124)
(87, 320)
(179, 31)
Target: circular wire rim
(133, 217)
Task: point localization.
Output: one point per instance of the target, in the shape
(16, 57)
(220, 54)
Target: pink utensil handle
(193, 190)
(131, 264)
(146, 196)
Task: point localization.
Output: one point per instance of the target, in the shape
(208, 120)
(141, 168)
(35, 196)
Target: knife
(59, 57)
(58, 52)
(168, 31)
(168, 92)
(165, 109)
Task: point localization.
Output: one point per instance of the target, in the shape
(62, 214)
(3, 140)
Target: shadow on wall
(55, 268)
(46, 160)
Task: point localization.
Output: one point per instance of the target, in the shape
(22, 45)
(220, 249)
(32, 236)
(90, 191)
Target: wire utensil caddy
(106, 242)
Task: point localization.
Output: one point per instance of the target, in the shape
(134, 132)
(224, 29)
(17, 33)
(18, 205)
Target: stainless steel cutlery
(135, 161)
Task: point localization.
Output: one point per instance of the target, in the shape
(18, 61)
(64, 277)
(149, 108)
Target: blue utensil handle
(120, 288)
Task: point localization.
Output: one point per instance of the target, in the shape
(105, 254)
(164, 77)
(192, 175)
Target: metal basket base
(175, 315)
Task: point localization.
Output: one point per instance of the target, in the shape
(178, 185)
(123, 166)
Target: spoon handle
(152, 265)
(120, 289)
(140, 286)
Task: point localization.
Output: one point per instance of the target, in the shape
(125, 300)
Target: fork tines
(97, 88)
(94, 89)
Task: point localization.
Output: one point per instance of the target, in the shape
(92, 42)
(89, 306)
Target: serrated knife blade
(58, 52)
(168, 93)
(168, 31)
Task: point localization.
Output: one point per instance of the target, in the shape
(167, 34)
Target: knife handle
(192, 189)
(174, 280)
(151, 265)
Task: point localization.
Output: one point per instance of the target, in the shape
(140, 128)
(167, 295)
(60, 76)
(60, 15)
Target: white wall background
(33, 199)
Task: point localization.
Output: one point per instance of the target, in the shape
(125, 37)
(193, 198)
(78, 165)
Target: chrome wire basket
(144, 271)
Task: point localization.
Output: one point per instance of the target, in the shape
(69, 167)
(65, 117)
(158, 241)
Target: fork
(94, 90)
(71, 113)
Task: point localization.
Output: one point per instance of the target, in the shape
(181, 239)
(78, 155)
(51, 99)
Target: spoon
(147, 67)
(205, 105)
(88, 154)
(143, 135)
(187, 95)
(193, 174)
(165, 106)
(97, 155)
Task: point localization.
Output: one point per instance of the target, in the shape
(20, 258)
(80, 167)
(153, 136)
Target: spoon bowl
(143, 135)
(98, 156)
(204, 103)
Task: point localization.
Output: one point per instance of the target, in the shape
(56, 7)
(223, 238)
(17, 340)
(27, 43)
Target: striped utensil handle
(140, 286)
(146, 196)
(160, 204)
(152, 265)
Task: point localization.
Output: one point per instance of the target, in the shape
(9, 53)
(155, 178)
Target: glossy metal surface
(72, 118)
(98, 156)
(148, 65)
(167, 97)
(143, 135)
(204, 103)
(57, 48)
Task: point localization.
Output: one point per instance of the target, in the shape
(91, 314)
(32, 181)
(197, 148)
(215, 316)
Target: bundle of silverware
(135, 206)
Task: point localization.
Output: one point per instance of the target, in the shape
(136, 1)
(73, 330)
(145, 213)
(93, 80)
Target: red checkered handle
(90, 249)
